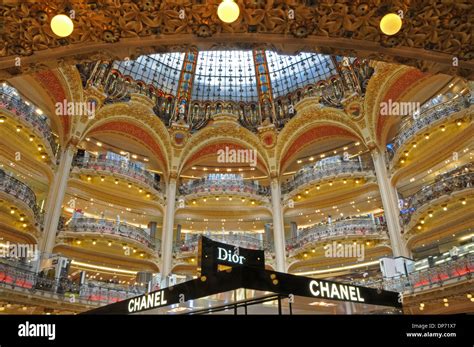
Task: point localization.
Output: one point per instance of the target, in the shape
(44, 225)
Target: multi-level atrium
(112, 167)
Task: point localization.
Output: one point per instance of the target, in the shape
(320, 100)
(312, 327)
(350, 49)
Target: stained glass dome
(229, 75)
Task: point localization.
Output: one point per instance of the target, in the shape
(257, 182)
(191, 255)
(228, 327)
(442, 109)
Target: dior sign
(228, 255)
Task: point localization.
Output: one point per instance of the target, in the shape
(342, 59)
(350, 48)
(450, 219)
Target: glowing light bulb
(228, 11)
(62, 25)
(391, 24)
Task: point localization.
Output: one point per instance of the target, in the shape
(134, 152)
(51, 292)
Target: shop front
(234, 280)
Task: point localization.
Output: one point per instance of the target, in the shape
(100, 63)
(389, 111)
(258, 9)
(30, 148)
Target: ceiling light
(62, 25)
(228, 11)
(391, 24)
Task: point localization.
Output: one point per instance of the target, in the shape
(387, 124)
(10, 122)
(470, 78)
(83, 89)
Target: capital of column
(173, 175)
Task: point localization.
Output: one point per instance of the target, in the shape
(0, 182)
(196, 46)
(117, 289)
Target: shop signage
(215, 256)
(335, 291)
(228, 255)
(146, 302)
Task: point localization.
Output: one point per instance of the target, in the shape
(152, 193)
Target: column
(168, 224)
(56, 194)
(278, 226)
(389, 197)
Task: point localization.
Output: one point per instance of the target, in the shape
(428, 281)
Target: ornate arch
(311, 124)
(222, 131)
(137, 121)
(390, 82)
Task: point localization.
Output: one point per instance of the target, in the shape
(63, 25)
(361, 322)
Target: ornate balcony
(189, 247)
(210, 187)
(457, 180)
(127, 170)
(90, 293)
(20, 191)
(109, 228)
(357, 227)
(450, 271)
(310, 175)
(26, 112)
(411, 126)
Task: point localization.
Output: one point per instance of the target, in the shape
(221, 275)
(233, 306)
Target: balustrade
(126, 168)
(412, 125)
(21, 191)
(445, 184)
(318, 172)
(326, 231)
(12, 101)
(103, 226)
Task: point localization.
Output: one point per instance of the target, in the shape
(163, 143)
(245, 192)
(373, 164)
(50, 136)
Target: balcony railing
(433, 276)
(312, 174)
(411, 126)
(129, 169)
(102, 226)
(446, 184)
(190, 245)
(21, 191)
(10, 100)
(12, 276)
(224, 186)
(342, 228)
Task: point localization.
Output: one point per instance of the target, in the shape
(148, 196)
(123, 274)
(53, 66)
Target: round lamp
(62, 25)
(228, 11)
(391, 24)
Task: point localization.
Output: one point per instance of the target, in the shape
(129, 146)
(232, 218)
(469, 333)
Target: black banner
(213, 254)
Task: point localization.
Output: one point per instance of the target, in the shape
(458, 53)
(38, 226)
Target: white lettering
(37, 330)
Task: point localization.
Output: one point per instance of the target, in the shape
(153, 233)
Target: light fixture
(148, 195)
(116, 181)
(443, 128)
(2, 119)
(391, 24)
(109, 244)
(18, 128)
(228, 11)
(62, 25)
(459, 123)
(94, 242)
(31, 138)
(102, 178)
(427, 136)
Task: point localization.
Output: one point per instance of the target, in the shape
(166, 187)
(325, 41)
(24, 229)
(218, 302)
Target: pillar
(389, 197)
(278, 226)
(168, 225)
(55, 198)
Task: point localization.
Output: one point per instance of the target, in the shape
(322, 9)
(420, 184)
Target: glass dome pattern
(229, 75)
(288, 73)
(225, 75)
(161, 70)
